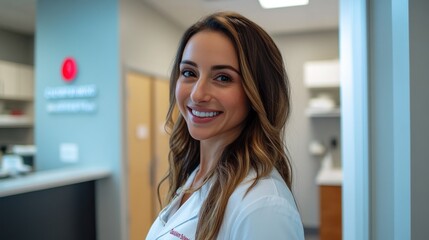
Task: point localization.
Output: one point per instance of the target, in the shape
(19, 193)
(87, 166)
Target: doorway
(147, 100)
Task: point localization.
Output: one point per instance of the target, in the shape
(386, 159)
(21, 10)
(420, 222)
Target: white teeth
(204, 114)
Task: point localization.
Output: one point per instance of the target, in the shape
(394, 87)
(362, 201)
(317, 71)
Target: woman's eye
(223, 78)
(187, 73)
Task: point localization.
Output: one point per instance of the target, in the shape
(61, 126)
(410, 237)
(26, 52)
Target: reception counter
(50, 179)
(54, 204)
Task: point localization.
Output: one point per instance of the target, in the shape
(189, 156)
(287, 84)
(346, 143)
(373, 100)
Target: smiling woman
(229, 173)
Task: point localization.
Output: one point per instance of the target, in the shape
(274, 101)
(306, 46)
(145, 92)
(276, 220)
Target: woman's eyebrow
(216, 67)
(219, 67)
(189, 62)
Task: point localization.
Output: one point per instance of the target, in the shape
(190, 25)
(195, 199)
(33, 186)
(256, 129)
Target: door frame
(354, 118)
(367, 200)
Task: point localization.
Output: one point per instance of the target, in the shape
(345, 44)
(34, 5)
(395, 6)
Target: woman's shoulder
(270, 192)
(271, 186)
(270, 200)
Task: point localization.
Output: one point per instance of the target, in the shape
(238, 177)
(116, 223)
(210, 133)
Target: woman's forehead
(210, 47)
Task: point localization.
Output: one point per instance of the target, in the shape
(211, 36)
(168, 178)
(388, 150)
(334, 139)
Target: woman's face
(209, 90)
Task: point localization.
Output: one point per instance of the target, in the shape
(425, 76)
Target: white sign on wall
(71, 99)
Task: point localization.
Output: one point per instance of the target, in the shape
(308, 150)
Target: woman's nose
(200, 91)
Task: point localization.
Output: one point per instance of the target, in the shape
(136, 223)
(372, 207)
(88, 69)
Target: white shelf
(324, 86)
(7, 121)
(323, 113)
(16, 98)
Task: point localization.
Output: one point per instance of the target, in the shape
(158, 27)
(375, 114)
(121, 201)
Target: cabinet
(16, 102)
(330, 213)
(322, 80)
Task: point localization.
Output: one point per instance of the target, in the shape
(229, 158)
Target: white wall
(148, 40)
(296, 50)
(148, 44)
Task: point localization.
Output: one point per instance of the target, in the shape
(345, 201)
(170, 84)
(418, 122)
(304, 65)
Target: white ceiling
(317, 15)
(19, 15)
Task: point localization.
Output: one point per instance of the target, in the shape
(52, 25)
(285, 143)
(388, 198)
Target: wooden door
(139, 149)
(161, 103)
(147, 147)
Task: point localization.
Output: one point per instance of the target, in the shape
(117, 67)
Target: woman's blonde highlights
(260, 146)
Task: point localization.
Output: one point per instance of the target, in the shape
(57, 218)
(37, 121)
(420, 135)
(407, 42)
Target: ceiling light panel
(281, 3)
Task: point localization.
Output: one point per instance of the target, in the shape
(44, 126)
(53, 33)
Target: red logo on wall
(69, 69)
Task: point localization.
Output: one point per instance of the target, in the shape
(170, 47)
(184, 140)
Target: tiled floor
(311, 237)
(311, 234)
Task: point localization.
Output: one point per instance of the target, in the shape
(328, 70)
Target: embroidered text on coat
(178, 235)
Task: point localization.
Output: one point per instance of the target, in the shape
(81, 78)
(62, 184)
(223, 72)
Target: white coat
(268, 211)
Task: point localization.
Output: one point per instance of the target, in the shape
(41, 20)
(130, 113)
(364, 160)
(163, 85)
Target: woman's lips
(203, 116)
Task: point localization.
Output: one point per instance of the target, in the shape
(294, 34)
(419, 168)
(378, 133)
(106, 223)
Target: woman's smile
(203, 114)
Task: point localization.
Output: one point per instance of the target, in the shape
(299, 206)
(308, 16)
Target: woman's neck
(211, 151)
(209, 156)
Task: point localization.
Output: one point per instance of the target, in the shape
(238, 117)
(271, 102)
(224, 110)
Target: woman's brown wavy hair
(260, 146)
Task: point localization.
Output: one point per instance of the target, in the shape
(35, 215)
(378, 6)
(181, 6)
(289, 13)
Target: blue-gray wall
(89, 32)
(419, 99)
(394, 205)
(381, 119)
(389, 111)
